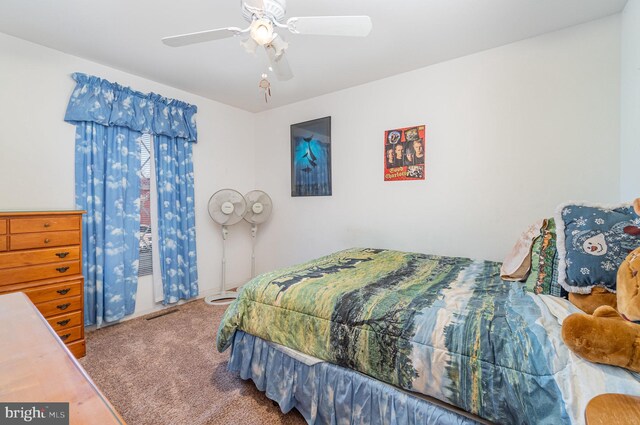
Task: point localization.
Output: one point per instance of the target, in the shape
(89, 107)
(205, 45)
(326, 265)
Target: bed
(443, 327)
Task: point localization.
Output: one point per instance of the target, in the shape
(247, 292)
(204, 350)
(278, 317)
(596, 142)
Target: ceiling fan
(264, 17)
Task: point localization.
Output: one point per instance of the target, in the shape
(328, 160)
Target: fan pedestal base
(224, 298)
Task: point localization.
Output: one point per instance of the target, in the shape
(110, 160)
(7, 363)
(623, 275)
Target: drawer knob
(47, 224)
(62, 269)
(61, 254)
(65, 337)
(63, 322)
(47, 240)
(63, 306)
(63, 291)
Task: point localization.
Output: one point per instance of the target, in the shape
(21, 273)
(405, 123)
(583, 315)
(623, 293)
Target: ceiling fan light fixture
(262, 31)
(279, 45)
(249, 45)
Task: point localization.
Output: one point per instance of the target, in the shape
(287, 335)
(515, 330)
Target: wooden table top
(35, 366)
(613, 409)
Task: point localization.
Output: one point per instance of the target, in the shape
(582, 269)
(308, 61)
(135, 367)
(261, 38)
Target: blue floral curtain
(109, 121)
(176, 218)
(108, 188)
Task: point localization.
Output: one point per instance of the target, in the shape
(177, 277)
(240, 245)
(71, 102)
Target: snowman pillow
(592, 243)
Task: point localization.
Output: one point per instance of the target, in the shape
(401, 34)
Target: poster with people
(404, 154)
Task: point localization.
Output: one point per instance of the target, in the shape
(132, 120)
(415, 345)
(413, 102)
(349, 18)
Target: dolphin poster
(311, 158)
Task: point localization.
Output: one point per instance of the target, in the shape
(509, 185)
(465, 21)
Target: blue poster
(311, 158)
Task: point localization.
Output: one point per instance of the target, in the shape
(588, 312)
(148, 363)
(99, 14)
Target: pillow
(517, 265)
(557, 289)
(545, 283)
(532, 280)
(592, 243)
(544, 278)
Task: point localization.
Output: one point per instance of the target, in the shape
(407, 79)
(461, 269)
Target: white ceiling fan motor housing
(273, 9)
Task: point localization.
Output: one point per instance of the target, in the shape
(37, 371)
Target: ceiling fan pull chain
(265, 85)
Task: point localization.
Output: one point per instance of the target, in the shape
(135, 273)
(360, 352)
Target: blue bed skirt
(328, 394)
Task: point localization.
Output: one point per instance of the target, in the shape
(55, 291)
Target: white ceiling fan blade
(355, 26)
(201, 36)
(279, 64)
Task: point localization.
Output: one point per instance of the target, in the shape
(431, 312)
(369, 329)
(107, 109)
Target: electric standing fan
(226, 207)
(259, 208)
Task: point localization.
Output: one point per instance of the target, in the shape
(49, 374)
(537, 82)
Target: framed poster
(404, 154)
(311, 158)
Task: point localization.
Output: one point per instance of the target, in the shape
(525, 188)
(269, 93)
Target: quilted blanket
(446, 327)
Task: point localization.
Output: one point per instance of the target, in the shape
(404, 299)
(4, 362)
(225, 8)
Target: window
(146, 262)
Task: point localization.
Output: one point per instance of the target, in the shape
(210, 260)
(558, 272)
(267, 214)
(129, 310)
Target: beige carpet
(168, 371)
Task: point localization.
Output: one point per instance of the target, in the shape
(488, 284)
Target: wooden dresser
(35, 367)
(40, 255)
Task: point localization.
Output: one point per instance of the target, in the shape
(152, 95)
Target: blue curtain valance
(110, 104)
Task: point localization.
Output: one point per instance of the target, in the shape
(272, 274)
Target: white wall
(511, 132)
(630, 102)
(37, 146)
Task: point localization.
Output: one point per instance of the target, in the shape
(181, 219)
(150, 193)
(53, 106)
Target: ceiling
(407, 35)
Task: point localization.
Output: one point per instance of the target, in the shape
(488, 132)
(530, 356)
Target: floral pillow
(543, 279)
(548, 263)
(592, 243)
(531, 283)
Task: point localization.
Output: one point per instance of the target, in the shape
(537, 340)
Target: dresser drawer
(54, 292)
(44, 240)
(56, 307)
(30, 273)
(3, 226)
(71, 334)
(78, 349)
(39, 256)
(43, 224)
(3, 243)
(66, 321)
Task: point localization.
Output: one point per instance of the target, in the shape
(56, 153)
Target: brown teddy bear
(597, 298)
(610, 336)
